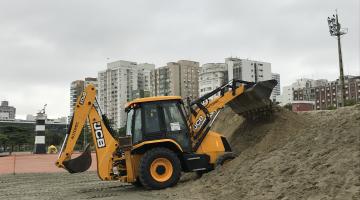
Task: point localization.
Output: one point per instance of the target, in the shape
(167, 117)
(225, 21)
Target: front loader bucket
(79, 164)
(254, 99)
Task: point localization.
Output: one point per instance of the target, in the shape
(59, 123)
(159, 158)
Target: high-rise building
(276, 91)
(76, 87)
(212, 76)
(176, 78)
(144, 86)
(160, 81)
(248, 70)
(120, 83)
(7, 112)
(286, 97)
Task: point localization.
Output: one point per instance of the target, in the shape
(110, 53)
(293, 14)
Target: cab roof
(151, 99)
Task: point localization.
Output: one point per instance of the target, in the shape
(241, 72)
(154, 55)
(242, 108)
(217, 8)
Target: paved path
(34, 163)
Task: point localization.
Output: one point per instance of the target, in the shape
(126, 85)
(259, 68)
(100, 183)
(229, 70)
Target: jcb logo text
(100, 141)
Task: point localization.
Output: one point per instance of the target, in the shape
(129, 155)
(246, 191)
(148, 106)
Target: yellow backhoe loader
(166, 136)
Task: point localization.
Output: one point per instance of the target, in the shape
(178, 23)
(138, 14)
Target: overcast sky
(44, 45)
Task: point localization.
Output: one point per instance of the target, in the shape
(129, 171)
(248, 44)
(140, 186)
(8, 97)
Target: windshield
(129, 121)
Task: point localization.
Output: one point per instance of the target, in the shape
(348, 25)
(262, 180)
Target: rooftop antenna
(42, 111)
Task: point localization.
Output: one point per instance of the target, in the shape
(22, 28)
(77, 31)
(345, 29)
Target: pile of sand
(310, 155)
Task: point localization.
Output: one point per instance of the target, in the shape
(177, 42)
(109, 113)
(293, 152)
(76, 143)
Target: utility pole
(335, 30)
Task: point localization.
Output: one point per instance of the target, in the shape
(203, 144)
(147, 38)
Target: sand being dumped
(310, 155)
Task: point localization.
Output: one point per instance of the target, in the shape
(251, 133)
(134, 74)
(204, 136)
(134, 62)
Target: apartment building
(76, 87)
(7, 112)
(303, 84)
(176, 78)
(212, 76)
(144, 86)
(120, 83)
(248, 70)
(327, 96)
(276, 91)
(286, 97)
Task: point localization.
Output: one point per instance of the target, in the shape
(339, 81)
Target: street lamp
(336, 31)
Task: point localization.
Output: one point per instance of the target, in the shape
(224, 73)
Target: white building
(276, 90)
(212, 76)
(302, 83)
(248, 70)
(288, 91)
(76, 87)
(287, 95)
(7, 112)
(144, 71)
(120, 83)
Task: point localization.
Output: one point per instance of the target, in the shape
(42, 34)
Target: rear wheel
(137, 183)
(159, 168)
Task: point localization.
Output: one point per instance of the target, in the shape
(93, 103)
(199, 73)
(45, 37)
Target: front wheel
(159, 168)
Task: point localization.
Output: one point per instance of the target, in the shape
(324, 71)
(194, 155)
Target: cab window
(152, 118)
(173, 119)
(137, 134)
(130, 116)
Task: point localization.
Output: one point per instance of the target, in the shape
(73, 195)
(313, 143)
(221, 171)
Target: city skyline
(45, 46)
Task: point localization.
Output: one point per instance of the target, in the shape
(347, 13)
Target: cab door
(175, 124)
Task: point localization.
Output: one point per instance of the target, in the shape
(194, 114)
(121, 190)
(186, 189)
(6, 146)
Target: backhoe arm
(81, 111)
(105, 144)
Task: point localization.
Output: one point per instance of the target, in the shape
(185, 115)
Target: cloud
(46, 45)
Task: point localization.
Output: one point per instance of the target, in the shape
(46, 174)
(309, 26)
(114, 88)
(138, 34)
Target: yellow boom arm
(105, 144)
(243, 97)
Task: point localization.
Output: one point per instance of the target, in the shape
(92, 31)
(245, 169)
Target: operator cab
(155, 118)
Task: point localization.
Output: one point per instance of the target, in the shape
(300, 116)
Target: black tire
(228, 156)
(145, 175)
(137, 183)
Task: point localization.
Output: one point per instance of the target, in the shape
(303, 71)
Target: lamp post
(336, 31)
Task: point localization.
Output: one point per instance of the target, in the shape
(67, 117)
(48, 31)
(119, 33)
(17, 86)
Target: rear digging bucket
(79, 164)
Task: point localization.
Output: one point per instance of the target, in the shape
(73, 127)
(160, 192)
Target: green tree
(16, 136)
(3, 141)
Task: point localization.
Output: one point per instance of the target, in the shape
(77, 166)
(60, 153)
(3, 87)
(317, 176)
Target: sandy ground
(61, 186)
(311, 155)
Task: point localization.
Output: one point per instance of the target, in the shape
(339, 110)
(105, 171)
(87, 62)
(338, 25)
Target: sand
(310, 155)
